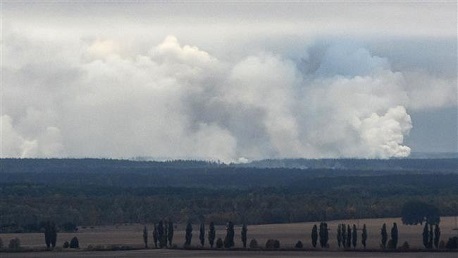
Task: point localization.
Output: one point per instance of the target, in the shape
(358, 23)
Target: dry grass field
(287, 234)
(158, 253)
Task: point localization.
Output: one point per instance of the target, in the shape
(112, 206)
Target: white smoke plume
(179, 101)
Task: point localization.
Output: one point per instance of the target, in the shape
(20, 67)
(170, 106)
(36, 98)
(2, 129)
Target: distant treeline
(114, 165)
(126, 173)
(440, 164)
(97, 192)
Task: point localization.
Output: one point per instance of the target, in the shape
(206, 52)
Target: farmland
(287, 234)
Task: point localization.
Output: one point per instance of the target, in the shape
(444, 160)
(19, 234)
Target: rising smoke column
(178, 101)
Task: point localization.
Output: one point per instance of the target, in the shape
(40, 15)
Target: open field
(229, 254)
(288, 234)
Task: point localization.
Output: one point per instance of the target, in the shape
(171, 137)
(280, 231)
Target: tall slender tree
(50, 234)
(323, 234)
(431, 237)
(348, 244)
(161, 235)
(211, 234)
(384, 235)
(145, 236)
(326, 235)
(314, 235)
(202, 234)
(229, 239)
(53, 235)
(344, 235)
(364, 236)
(394, 235)
(339, 234)
(354, 237)
(426, 235)
(155, 236)
(170, 232)
(243, 235)
(437, 235)
(165, 235)
(47, 235)
(188, 235)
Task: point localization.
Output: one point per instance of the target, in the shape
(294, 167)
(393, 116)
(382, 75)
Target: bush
(452, 243)
(405, 246)
(219, 243)
(74, 243)
(276, 244)
(253, 243)
(15, 244)
(299, 244)
(272, 243)
(441, 244)
(66, 244)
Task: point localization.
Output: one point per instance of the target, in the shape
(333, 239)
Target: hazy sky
(228, 80)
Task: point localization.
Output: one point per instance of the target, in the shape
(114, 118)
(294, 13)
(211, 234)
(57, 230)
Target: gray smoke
(179, 101)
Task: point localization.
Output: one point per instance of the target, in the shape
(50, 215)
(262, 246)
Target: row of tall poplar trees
(163, 235)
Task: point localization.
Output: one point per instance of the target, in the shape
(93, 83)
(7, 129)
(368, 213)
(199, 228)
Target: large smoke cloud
(178, 101)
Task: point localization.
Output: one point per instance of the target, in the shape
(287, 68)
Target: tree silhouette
(417, 212)
(202, 234)
(170, 232)
(229, 239)
(219, 243)
(394, 235)
(161, 234)
(364, 236)
(244, 235)
(426, 236)
(211, 234)
(188, 235)
(354, 237)
(145, 236)
(339, 234)
(384, 235)
(74, 243)
(314, 235)
(348, 244)
(344, 236)
(323, 234)
(437, 235)
(50, 234)
(155, 236)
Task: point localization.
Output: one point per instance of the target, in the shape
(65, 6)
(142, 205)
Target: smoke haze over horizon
(228, 81)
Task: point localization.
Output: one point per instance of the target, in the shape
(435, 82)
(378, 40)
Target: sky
(228, 80)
